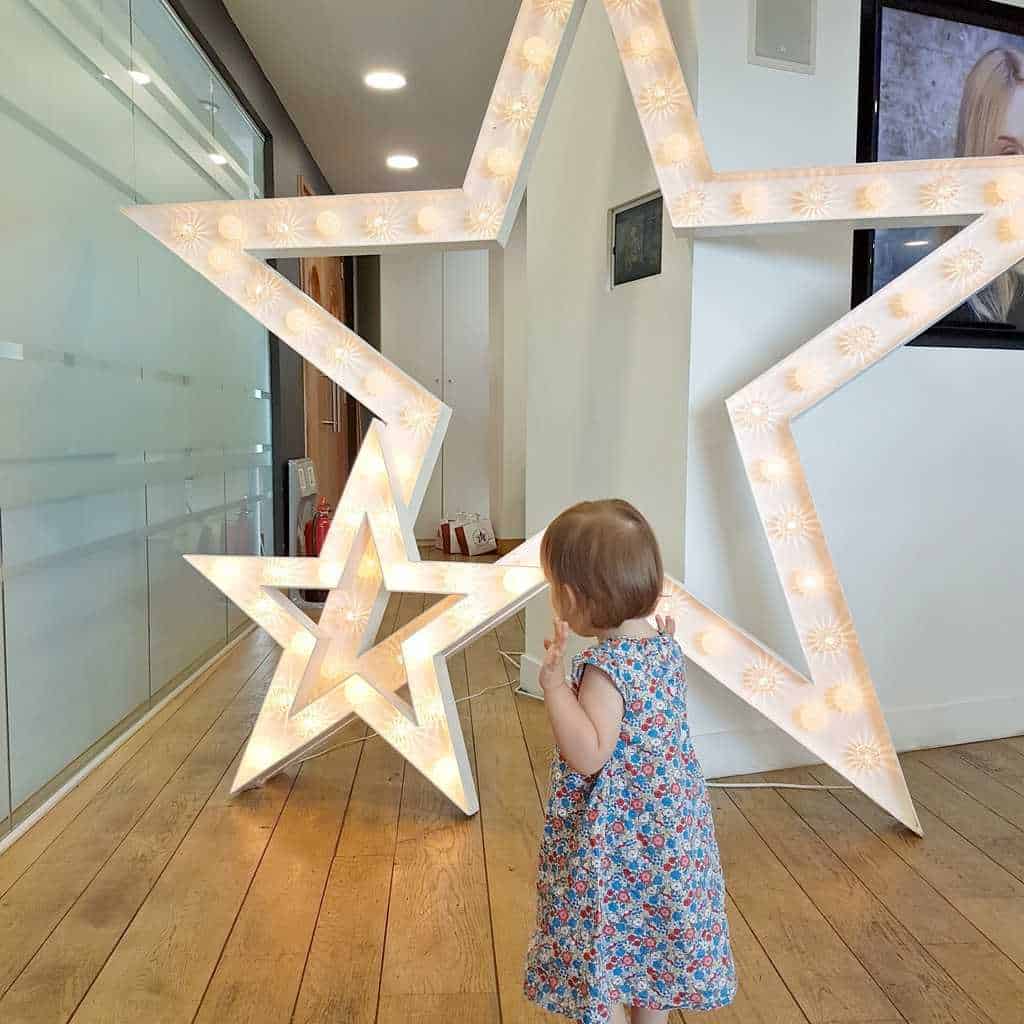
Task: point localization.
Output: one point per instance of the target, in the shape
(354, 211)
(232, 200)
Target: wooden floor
(350, 891)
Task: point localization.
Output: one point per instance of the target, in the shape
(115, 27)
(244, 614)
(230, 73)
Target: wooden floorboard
(909, 976)
(512, 819)
(348, 889)
(987, 895)
(250, 651)
(49, 887)
(57, 978)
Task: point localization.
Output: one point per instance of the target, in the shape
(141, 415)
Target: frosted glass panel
(75, 602)
(134, 398)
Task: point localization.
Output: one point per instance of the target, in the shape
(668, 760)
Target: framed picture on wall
(635, 230)
(941, 79)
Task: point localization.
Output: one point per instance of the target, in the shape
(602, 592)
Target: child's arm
(586, 728)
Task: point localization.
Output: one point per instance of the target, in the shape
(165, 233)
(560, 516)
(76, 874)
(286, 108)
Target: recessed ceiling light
(402, 162)
(218, 158)
(140, 77)
(386, 80)
(916, 242)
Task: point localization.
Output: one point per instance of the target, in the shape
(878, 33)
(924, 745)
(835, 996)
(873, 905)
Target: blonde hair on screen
(608, 556)
(988, 90)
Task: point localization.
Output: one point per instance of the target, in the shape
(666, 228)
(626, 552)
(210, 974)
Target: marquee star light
(330, 669)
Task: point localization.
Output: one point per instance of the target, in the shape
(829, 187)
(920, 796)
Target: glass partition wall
(134, 399)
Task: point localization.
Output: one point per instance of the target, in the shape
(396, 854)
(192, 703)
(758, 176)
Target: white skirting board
(16, 833)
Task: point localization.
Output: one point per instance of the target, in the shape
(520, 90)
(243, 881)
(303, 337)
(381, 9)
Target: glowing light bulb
(674, 149)
(402, 162)
(846, 697)
(298, 321)
(536, 53)
(220, 259)
(909, 304)
(874, 195)
(231, 227)
(329, 574)
(399, 732)
(1011, 229)
(369, 569)
(417, 649)
(712, 642)
(773, 470)
(302, 643)
(1007, 188)
(811, 716)
(750, 200)
(808, 582)
(501, 163)
(429, 220)
(643, 43)
(445, 771)
(328, 224)
(807, 377)
(357, 691)
(520, 579)
(386, 81)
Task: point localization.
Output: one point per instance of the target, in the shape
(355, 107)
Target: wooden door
(326, 414)
(328, 417)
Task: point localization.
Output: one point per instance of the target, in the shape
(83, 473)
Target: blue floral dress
(631, 899)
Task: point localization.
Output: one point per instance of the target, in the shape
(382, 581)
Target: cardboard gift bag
(464, 534)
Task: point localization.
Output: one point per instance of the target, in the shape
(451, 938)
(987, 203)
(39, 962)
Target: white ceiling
(315, 52)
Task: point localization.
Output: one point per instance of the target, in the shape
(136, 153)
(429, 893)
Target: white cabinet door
(435, 326)
(467, 383)
(412, 336)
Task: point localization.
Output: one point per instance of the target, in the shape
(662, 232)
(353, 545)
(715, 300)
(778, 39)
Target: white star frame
(329, 670)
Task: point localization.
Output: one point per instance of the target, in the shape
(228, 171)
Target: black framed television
(940, 80)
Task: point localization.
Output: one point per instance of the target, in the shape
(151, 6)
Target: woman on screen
(992, 124)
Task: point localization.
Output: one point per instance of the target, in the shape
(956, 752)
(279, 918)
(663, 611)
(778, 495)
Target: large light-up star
(328, 669)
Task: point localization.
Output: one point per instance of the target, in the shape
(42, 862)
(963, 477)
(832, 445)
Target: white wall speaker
(782, 34)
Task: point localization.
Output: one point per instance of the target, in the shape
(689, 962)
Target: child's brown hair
(607, 554)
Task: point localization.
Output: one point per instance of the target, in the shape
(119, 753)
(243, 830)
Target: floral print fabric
(631, 899)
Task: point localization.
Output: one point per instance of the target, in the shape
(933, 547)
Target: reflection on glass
(134, 399)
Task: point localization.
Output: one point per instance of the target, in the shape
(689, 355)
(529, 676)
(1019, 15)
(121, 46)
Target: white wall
(916, 469)
(508, 314)
(606, 371)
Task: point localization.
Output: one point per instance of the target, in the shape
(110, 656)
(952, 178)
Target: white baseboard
(19, 830)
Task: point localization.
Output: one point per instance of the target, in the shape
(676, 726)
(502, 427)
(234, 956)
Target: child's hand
(552, 670)
(666, 625)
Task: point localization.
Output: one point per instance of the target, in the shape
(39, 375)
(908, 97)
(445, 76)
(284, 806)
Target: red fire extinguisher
(315, 534)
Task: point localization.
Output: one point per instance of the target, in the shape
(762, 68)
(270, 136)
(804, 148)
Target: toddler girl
(631, 900)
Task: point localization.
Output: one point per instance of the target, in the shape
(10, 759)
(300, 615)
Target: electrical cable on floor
(375, 736)
(771, 785)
